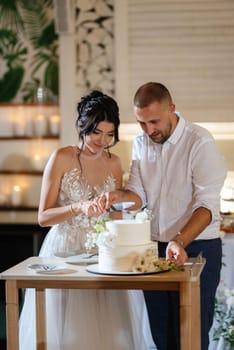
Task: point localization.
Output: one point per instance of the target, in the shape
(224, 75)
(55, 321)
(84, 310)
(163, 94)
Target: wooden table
(187, 282)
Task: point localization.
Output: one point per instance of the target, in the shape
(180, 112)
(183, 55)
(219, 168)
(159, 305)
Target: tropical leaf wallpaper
(28, 51)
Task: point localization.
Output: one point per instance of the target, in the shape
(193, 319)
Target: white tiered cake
(126, 246)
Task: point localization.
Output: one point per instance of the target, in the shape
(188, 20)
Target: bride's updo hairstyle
(94, 108)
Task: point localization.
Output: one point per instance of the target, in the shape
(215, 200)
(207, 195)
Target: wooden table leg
(12, 315)
(40, 319)
(190, 323)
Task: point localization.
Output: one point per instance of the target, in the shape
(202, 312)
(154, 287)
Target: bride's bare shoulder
(112, 157)
(63, 156)
(114, 161)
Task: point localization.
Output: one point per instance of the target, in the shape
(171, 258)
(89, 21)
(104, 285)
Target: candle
(54, 124)
(3, 199)
(227, 193)
(40, 125)
(38, 162)
(16, 196)
(29, 127)
(19, 127)
(19, 122)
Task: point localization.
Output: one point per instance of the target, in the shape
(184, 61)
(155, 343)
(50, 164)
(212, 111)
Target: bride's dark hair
(93, 109)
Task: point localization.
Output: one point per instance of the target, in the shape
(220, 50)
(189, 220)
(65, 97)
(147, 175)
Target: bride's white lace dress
(85, 319)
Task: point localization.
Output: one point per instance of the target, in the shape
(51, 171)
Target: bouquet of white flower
(92, 237)
(224, 316)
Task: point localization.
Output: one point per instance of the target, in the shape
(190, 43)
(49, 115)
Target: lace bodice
(74, 187)
(71, 235)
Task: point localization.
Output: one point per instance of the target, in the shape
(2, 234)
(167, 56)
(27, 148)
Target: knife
(121, 206)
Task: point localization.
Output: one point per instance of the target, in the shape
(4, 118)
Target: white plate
(82, 259)
(49, 269)
(95, 269)
(65, 254)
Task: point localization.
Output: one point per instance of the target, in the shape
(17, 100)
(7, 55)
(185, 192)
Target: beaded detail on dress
(74, 188)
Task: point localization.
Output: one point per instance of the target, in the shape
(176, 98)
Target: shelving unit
(25, 172)
(45, 137)
(28, 135)
(19, 208)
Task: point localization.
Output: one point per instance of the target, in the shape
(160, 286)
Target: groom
(178, 173)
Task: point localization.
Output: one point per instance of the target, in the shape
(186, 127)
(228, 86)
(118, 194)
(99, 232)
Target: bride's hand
(92, 208)
(106, 200)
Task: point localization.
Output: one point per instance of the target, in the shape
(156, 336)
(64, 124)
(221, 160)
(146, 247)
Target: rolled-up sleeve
(208, 172)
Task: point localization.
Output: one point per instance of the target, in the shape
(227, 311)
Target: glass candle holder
(54, 123)
(16, 196)
(40, 125)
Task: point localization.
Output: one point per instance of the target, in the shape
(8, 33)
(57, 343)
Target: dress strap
(74, 157)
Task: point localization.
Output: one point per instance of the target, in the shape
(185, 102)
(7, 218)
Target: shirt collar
(175, 136)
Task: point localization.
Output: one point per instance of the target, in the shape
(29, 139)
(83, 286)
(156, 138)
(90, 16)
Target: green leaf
(100, 225)
(10, 83)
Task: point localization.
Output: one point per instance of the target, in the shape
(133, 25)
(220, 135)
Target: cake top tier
(129, 232)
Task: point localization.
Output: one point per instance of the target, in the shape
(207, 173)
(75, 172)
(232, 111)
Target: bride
(73, 178)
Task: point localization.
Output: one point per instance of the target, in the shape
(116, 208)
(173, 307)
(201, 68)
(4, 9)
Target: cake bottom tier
(124, 258)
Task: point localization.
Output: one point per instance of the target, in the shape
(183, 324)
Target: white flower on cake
(91, 240)
(144, 215)
(106, 239)
(92, 237)
(149, 262)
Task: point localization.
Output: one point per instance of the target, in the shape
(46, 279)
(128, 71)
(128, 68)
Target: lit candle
(40, 125)
(54, 124)
(38, 162)
(16, 196)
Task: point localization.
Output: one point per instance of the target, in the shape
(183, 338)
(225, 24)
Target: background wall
(28, 51)
(187, 45)
(86, 32)
(102, 40)
(97, 43)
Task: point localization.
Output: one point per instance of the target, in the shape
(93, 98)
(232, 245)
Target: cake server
(122, 205)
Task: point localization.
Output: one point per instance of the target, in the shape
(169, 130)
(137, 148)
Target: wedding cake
(126, 245)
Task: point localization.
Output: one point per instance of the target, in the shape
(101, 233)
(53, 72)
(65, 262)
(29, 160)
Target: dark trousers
(163, 306)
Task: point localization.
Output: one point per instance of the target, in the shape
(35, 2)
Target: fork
(48, 268)
(90, 256)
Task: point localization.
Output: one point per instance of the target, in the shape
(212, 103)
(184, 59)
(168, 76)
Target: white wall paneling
(187, 45)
